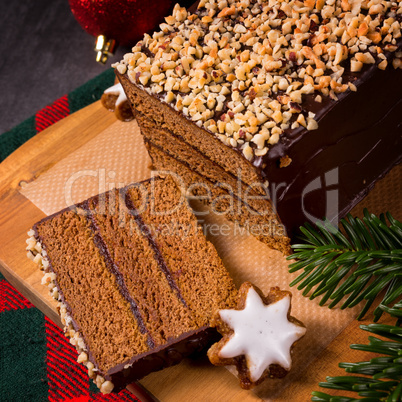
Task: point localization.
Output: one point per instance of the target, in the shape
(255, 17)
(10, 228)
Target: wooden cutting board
(190, 380)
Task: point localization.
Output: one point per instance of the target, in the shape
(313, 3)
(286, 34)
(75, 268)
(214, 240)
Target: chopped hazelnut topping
(106, 387)
(257, 61)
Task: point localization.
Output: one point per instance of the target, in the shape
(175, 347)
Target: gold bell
(104, 48)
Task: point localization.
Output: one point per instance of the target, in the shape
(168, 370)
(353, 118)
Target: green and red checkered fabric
(37, 363)
(67, 104)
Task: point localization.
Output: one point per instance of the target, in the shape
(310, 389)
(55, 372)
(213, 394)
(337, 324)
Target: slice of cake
(136, 280)
(289, 96)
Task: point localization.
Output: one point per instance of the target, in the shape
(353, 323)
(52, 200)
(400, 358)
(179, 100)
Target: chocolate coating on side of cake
(188, 345)
(357, 142)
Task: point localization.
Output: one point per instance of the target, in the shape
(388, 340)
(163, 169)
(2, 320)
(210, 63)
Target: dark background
(44, 54)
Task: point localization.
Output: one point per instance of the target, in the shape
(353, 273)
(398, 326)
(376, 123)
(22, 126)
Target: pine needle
(383, 381)
(352, 263)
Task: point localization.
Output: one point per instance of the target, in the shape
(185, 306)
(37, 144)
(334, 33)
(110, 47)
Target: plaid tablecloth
(37, 363)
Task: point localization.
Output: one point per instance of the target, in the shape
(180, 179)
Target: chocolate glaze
(162, 357)
(357, 142)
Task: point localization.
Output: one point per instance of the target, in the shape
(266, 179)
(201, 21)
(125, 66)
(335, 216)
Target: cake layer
(264, 228)
(169, 119)
(294, 90)
(257, 196)
(136, 280)
(140, 271)
(250, 208)
(90, 290)
(191, 261)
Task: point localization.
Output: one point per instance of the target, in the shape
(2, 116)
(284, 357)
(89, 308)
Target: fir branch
(358, 260)
(385, 370)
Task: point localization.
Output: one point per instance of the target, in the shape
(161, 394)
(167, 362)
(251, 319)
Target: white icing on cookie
(262, 333)
(117, 90)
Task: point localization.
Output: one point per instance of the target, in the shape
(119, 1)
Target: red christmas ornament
(124, 21)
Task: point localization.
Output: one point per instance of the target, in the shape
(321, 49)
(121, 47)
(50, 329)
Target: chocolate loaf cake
(290, 98)
(136, 280)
